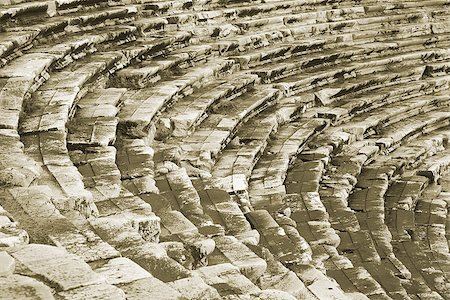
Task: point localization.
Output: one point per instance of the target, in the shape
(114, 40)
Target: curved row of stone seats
(68, 241)
(202, 147)
(348, 277)
(376, 14)
(361, 79)
(371, 208)
(103, 205)
(250, 142)
(368, 197)
(86, 72)
(140, 107)
(35, 32)
(149, 72)
(413, 94)
(226, 248)
(401, 222)
(190, 111)
(430, 214)
(288, 224)
(266, 180)
(331, 211)
(269, 278)
(126, 212)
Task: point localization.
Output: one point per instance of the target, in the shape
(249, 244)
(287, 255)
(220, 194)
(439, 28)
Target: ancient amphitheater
(225, 149)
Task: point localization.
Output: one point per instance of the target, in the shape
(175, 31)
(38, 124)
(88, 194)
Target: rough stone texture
(23, 287)
(194, 288)
(223, 149)
(56, 266)
(7, 264)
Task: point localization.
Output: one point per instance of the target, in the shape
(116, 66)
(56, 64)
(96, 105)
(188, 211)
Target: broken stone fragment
(11, 235)
(178, 252)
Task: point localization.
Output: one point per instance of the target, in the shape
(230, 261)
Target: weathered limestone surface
(223, 149)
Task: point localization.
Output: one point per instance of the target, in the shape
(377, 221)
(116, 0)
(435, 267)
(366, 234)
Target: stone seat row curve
(222, 149)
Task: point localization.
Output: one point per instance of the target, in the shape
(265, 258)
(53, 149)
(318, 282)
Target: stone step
(225, 212)
(434, 167)
(279, 277)
(149, 72)
(140, 107)
(227, 280)
(188, 112)
(231, 250)
(321, 286)
(304, 177)
(177, 188)
(203, 146)
(134, 160)
(76, 45)
(127, 236)
(135, 281)
(240, 156)
(100, 174)
(175, 227)
(266, 181)
(23, 286)
(275, 238)
(17, 169)
(358, 280)
(34, 210)
(94, 122)
(425, 279)
(48, 149)
(13, 43)
(74, 281)
(23, 10)
(11, 235)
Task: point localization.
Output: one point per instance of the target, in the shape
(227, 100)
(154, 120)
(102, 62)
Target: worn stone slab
(56, 266)
(194, 288)
(229, 249)
(23, 287)
(226, 279)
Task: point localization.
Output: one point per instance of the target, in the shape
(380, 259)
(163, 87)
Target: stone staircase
(221, 149)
